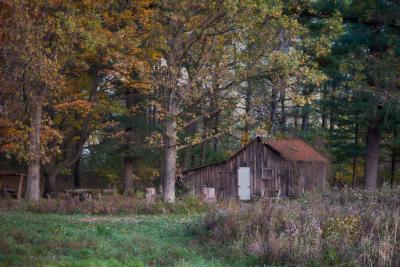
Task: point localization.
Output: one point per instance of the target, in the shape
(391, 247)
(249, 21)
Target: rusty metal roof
(295, 150)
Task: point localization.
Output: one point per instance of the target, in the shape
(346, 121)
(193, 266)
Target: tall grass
(340, 228)
(108, 206)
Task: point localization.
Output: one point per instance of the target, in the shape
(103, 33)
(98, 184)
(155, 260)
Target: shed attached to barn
(285, 167)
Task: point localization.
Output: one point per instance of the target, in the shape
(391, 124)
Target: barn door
(244, 183)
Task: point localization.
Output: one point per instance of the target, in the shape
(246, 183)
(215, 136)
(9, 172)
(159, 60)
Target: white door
(244, 183)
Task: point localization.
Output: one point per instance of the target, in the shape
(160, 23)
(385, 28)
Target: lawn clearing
(31, 239)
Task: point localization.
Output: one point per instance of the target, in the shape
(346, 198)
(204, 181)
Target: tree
(368, 61)
(182, 26)
(103, 60)
(32, 66)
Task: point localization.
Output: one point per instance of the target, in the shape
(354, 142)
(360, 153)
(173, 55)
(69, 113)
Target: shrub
(340, 228)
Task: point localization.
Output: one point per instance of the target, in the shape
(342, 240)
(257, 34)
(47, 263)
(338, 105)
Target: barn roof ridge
(282, 147)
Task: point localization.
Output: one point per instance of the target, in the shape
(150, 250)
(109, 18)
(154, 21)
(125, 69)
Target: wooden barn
(284, 168)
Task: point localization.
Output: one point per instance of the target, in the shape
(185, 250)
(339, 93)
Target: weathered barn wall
(310, 176)
(270, 174)
(261, 160)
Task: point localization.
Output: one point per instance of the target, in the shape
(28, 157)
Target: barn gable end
(276, 168)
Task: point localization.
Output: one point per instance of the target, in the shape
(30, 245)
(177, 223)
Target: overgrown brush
(340, 228)
(113, 205)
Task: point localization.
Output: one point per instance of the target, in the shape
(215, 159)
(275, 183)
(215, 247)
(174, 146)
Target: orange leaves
(13, 137)
(50, 143)
(79, 106)
(8, 147)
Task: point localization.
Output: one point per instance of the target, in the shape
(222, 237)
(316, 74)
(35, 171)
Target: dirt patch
(19, 236)
(5, 247)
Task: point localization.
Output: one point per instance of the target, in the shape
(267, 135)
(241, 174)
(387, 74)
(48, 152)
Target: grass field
(31, 239)
(335, 228)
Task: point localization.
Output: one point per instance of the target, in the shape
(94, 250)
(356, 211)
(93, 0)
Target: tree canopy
(134, 92)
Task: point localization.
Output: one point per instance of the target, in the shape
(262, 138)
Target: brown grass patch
(350, 227)
(4, 246)
(110, 206)
(19, 236)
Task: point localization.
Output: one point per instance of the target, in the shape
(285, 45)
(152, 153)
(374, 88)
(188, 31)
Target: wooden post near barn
(208, 194)
(150, 194)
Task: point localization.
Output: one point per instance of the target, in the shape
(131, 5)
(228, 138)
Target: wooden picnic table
(87, 193)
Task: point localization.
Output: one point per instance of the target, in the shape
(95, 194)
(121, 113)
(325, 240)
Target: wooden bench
(14, 192)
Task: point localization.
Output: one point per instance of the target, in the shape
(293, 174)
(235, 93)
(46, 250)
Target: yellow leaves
(126, 15)
(154, 55)
(348, 227)
(245, 139)
(345, 173)
(194, 139)
(82, 81)
(76, 138)
(300, 100)
(155, 139)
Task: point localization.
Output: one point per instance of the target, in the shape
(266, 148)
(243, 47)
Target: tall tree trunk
(204, 145)
(130, 101)
(393, 167)
(52, 187)
(170, 153)
(323, 111)
(394, 162)
(45, 174)
(214, 120)
(128, 176)
(372, 158)
(73, 149)
(305, 116)
(160, 180)
(245, 135)
(216, 131)
(77, 178)
(354, 174)
(332, 99)
(33, 182)
(331, 120)
(187, 161)
(55, 168)
(354, 177)
(274, 100)
(283, 118)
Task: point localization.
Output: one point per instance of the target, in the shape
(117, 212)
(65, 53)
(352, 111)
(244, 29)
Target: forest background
(130, 93)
